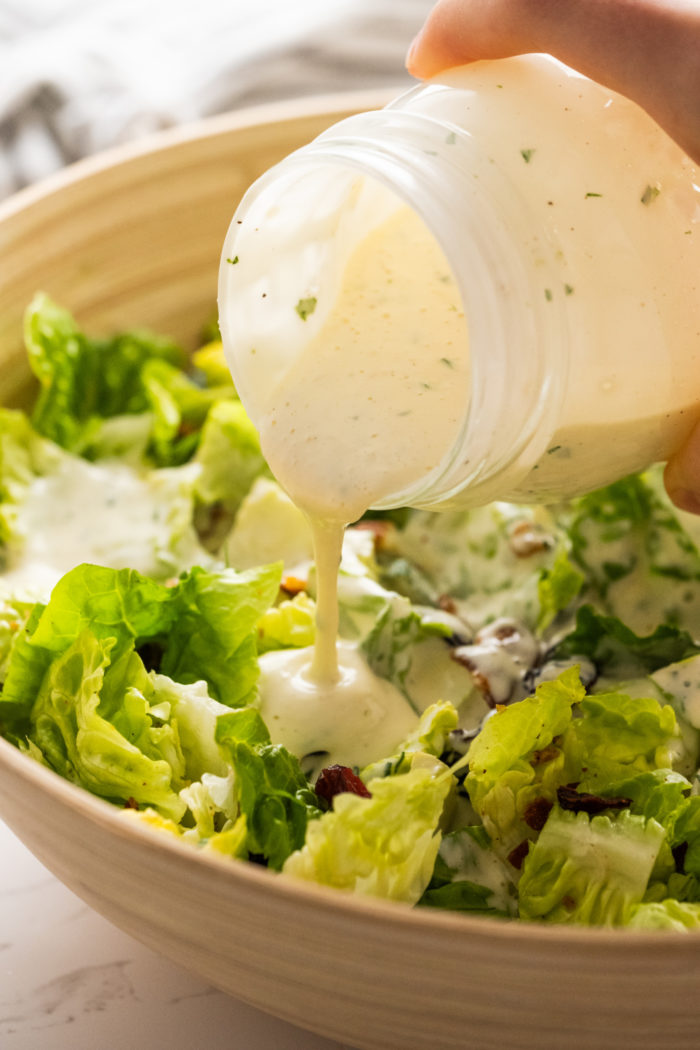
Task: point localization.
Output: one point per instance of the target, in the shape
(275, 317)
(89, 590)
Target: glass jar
(571, 226)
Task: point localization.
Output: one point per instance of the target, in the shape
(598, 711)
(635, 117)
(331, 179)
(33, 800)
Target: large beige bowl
(134, 238)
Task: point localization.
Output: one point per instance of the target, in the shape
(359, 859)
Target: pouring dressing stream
(405, 389)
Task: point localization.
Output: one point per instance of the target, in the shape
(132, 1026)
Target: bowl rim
(19, 765)
(288, 110)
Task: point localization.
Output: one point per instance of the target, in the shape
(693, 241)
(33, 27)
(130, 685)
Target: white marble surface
(70, 980)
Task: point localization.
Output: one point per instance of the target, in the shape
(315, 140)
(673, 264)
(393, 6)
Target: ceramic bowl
(133, 237)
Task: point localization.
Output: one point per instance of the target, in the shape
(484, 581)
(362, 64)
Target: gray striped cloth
(77, 76)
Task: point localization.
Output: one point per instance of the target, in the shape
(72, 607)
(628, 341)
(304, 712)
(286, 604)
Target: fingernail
(686, 499)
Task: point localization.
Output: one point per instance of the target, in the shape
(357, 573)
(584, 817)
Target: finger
(645, 49)
(460, 31)
(682, 474)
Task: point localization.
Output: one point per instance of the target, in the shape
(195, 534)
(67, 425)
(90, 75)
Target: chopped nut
(527, 538)
(293, 585)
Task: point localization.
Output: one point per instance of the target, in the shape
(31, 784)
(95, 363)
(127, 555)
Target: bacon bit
(518, 855)
(131, 803)
(334, 780)
(527, 538)
(293, 585)
(447, 604)
(568, 902)
(545, 754)
(582, 802)
(536, 813)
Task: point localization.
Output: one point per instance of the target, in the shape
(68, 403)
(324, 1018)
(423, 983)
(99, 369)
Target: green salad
(548, 658)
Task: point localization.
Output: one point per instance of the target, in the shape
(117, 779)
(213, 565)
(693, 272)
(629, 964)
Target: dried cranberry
(517, 856)
(334, 780)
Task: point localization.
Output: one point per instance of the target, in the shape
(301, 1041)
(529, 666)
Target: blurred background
(78, 76)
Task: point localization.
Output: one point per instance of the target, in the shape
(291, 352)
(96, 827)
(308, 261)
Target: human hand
(647, 50)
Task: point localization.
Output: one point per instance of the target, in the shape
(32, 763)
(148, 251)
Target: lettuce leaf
(268, 527)
(639, 560)
(468, 876)
(617, 651)
(179, 408)
(212, 637)
(523, 754)
(473, 556)
(210, 362)
(203, 628)
(89, 389)
(428, 738)
(557, 587)
(132, 758)
(620, 734)
(390, 646)
(291, 624)
(229, 455)
(272, 791)
(196, 714)
(383, 846)
(588, 870)
(84, 381)
(665, 915)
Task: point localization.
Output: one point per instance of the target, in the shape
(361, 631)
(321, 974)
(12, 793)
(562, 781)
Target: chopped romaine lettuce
(229, 455)
(569, 793)
(469, 876)
(588, 870)
(521, 757)
(383, 846)
(641, 564)
(620, 653)
(272, 791)
(85, 381)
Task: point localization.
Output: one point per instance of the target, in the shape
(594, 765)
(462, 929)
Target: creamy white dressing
(356, 719)
(475, 864)
(401, 389)
(105, 514)
(499, 657)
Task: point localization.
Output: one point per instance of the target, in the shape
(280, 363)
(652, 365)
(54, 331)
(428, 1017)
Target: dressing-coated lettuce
(551, 656)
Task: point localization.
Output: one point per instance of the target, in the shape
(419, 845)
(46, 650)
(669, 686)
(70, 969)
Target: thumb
(646, 50)
(682, 474)
(460, 31)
